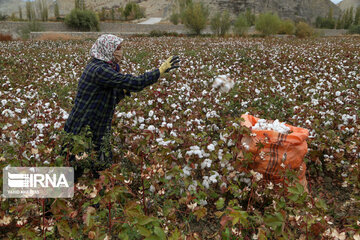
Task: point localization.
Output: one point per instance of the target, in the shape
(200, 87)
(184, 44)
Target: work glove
(169, 64)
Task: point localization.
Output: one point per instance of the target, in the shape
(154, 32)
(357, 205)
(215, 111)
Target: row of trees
(39, 10)
(131, 11)
(194, 15)
(349, 18)
(87, 20)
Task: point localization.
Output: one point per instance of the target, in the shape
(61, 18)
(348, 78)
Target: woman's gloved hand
(169, 64)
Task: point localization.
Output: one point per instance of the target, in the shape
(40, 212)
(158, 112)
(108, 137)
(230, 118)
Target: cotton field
(180, 137)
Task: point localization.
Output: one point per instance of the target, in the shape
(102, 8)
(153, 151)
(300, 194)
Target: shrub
(133, 11)
(268, 23)
(83, 20)
(175, 18)
(5, 37)
(354, 29)
(304, 30)
(220, 23)
(241, 25)
(287, 27)
(3, 17)
(195, 17)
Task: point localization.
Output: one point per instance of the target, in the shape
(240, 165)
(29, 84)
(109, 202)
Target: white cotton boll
(142, 126)
(213, 178)
(18, 110)
(206, 182)
(57, 125)
(230, 143)
(141, 119)
(192, 187)
(314, 102)
(169, 125)
(206, 163)
(224, 82)
(172, 133)
(151, 113)
(8, 113)
(211, 147)
(4, 102)
(120, 114)
(129, 115)
(65, 115)
(203, 202)
(24, 121)
(257, 91)
(6, 127)
(187, 111)
(338, 93)
(187, 171)
(152, 189)
(151, 128)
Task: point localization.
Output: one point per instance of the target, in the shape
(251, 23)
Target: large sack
(280, 152)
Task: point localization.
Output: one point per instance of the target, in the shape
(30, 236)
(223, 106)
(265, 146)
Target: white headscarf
(105, 46)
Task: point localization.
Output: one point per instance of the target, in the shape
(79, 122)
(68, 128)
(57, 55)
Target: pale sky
(336, 1)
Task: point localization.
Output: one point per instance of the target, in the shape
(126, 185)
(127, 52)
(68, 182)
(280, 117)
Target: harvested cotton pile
(276, 125)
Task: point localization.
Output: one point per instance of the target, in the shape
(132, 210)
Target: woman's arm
(108, 77)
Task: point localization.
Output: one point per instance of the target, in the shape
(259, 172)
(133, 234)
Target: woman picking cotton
(101, 86)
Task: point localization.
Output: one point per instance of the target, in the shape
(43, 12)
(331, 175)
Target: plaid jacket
(99, 90)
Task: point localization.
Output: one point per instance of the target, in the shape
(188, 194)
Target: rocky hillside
(345, 4)
(294, 9)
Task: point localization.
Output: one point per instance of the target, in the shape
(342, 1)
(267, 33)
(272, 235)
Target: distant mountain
(345, 4)
(293, 9)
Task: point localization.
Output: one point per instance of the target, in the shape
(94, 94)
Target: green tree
(175, 18)
(348, 18)
(112, 13)
(42, 9)
(133, 11)
(241, 25)
(80, 4)
(354, 29)
(56, 10)
(268, 23)
(195, 17)
(287, 27)
(20, 13)
(30, 11)
(339, 22)
(83, 20)
(220, 23)
(357, 16)
(102, 14)
(250, 17)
